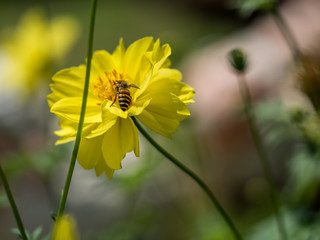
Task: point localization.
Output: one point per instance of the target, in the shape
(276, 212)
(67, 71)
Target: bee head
(124, 84)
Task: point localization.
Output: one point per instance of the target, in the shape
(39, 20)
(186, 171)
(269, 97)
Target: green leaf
(36, 233)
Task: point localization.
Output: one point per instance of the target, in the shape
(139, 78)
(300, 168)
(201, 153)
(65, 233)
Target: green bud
(238, 60)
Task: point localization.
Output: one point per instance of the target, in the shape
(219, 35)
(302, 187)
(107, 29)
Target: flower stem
(200, 182)
(245, 94)
(82, 114)
(287, 34)
(13, 204)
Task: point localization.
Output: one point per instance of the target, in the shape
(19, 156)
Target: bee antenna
(134, 86)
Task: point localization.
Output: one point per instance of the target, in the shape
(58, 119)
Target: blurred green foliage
(247, 7)
(175, 23)
(292, 136)
(35, 235)
(298, 128)
(266, 229)
(42, 162)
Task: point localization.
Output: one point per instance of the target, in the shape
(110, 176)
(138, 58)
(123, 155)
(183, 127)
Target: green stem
(13, 204)
(82, 114)
(200, 182)
(245, 94)
(287, 34)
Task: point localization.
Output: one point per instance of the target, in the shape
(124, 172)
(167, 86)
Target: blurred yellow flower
(33, 48)
(138, 78)
(65, 229)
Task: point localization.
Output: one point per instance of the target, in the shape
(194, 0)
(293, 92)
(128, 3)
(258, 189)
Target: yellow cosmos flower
(33, 48)
(133, 82)
(65, 229)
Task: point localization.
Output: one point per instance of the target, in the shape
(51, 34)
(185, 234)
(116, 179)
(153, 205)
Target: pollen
(104, 87)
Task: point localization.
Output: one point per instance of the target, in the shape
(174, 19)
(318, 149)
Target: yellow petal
(118, 141)
(69, 108)
(118, 55)
(114, 110)
(143, 86)
(108, 120)
(101, 61)
(102, 167)
(109, 113)
(164, 113)
(168, 80)
(135, 62)
(90, 152)
(138, 107)
(68, 82)
(168, 105)
(109, 172)
(64, 140)
(69, 130)
(159, 55)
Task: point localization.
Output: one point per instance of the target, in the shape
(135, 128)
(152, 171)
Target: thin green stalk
(263, 156)
(83, 110)
(13, 204)
(200, 182)
(297, 55)
(287, 34)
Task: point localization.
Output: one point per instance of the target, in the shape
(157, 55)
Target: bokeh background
(150, 198)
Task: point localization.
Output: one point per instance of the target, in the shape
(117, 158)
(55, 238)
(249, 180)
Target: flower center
(104, 87)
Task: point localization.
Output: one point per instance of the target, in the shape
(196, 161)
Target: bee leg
(115, 98)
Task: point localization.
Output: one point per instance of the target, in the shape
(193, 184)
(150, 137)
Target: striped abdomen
(124, 99)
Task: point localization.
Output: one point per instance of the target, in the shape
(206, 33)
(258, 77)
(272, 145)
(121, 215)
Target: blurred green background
(150, 198)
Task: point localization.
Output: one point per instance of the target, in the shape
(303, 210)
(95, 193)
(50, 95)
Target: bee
(123, 94)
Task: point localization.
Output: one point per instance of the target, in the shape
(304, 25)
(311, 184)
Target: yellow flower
(33, 48)
(65, 229)
(158, 100)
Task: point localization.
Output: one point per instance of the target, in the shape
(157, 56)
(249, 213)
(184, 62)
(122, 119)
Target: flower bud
(238, 60)
(65, 229)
